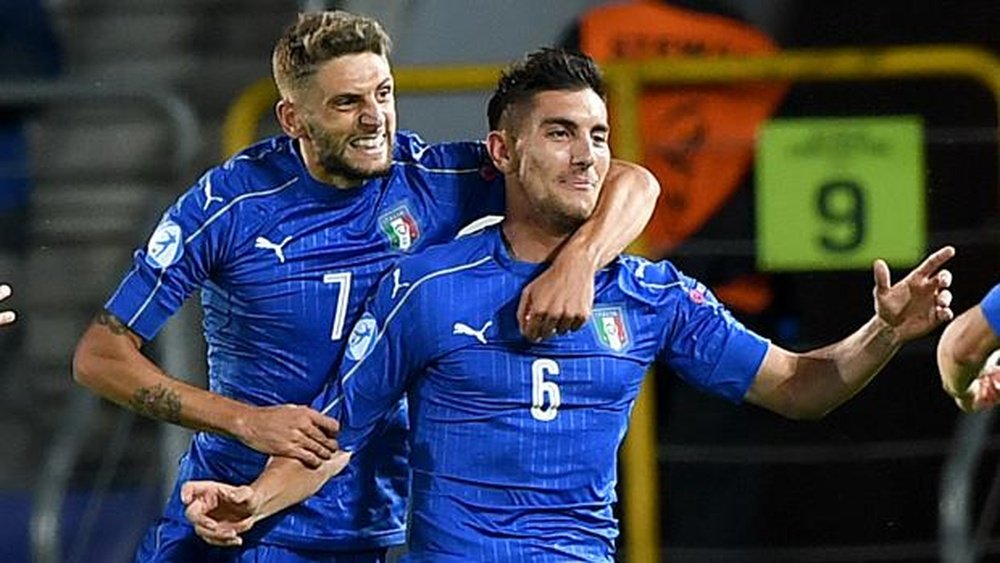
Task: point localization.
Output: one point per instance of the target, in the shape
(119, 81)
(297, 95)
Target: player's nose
(582, 153)
(371, 117)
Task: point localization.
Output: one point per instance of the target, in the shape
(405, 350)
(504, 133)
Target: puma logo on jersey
(418, 151)
(277, 248)
(209, 198)
(396, 284)
(466, 330)
(640, 271)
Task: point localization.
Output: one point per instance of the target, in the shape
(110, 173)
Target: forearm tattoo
(104, 318)
(159, 402)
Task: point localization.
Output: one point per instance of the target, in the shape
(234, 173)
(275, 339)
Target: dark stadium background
(850, 502)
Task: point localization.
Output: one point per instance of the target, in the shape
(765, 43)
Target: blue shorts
(169, 541)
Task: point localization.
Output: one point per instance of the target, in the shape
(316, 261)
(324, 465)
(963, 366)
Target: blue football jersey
(284, 263)
(514, 444)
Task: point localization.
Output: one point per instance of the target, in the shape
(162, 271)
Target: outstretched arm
(962, 351)
(808, 385)
(221, 512)
(561, 298)
(108, 361)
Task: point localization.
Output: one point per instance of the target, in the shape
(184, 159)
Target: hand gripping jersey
(514, 444)
(283, 263)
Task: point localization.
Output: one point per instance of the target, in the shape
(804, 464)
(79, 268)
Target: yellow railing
(640, 476)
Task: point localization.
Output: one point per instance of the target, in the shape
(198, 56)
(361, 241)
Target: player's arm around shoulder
(562, 297)
(810, 384)
(962, 352)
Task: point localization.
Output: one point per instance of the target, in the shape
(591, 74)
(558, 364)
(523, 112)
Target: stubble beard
(558, 217)
(330, 154)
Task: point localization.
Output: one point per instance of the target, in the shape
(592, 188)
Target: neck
(532, 242)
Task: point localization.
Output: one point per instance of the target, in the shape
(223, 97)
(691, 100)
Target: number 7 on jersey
(343, 279)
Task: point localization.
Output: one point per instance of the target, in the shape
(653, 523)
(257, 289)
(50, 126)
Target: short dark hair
(546, 69)
(317, 37)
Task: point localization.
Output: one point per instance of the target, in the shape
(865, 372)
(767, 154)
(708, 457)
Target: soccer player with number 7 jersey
(514, 442)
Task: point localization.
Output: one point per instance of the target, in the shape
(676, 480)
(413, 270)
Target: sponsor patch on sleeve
(359, 344)
(166, 246)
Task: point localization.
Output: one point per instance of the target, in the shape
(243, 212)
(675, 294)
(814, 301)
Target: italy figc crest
(609, 322)
(400, 228)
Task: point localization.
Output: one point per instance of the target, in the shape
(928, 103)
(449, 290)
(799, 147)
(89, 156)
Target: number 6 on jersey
(544, 394)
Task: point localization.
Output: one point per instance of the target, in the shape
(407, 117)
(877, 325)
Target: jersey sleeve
(991, 308)
(478, 188)
(190, 240)
(384, 351)
(705, 345)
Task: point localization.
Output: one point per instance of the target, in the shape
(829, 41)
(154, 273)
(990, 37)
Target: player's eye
(558, 133)
(343, 102)
(384, 93)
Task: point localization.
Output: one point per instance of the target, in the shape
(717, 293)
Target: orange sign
(697, 140)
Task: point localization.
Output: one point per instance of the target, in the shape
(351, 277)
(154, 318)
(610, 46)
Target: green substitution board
(837, 193)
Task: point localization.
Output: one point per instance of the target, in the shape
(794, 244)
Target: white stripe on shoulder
(234, 201)
(660, 285)
(262, 153)
(479, 224)
(192, 236)
(436, 170)
(392, 313)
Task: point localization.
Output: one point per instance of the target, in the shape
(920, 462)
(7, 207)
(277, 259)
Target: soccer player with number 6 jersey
(514, 442)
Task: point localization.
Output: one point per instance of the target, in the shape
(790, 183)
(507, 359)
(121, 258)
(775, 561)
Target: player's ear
(498, 145)
(288, 118)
